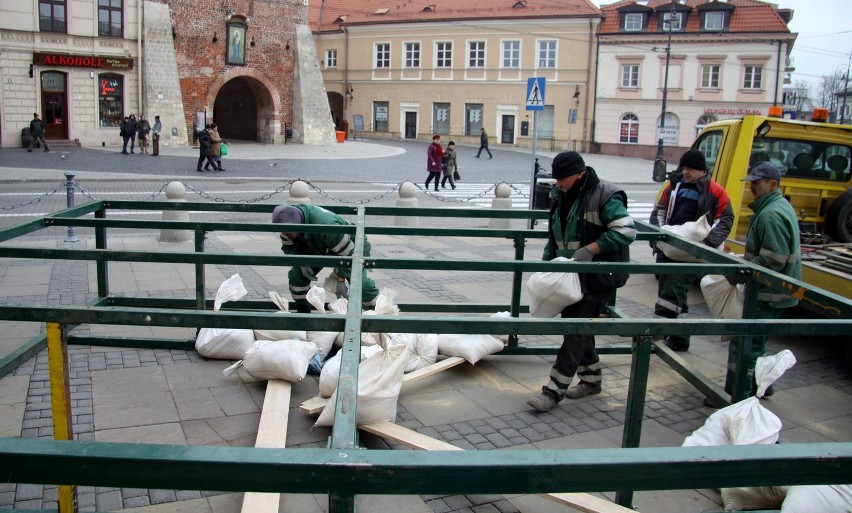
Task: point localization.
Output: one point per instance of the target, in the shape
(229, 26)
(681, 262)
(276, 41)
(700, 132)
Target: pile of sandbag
(748, 422)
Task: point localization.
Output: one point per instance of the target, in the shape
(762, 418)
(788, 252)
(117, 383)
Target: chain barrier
(35, 200)
(218, 199)
(525, 194)
(362, 201)
(431, 194)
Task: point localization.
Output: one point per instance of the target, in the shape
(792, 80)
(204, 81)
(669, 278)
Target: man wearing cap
(772, 241)
(331, 244)
(689, 195)
(588, 222)
(37, 132)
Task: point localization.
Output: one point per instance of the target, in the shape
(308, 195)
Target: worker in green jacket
(773, 242)
(331, 244)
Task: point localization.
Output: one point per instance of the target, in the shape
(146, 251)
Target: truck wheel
(838, 220)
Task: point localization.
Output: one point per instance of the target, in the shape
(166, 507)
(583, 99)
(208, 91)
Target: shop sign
(82, 61)
(734, 112)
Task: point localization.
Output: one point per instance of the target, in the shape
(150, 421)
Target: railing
(344, 470)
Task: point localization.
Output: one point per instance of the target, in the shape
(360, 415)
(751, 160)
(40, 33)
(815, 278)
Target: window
(802, 159)
(110, 17)
(444, 55)
(511, 54)
(110, 99)
(630, 75)
(714, 20)
(380, 115)
(412, 55)
(383, 55)
(51, 15)
(710, 76)
(547, 53)
(671, 19)
(633, 22)
(752, 77)
(476, 54)
(709, 145)
(629, 129)
(331, 58)
(473, 118)
(441, 117)
(704, 121)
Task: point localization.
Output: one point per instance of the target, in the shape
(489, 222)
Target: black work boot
(679, 344)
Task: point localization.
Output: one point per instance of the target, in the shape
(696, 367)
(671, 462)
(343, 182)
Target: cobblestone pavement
(813, 398)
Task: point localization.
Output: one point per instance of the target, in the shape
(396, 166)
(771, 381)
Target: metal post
(665, 90)
(60, 399)
(534, 165)
(845, 89)
(69, 193)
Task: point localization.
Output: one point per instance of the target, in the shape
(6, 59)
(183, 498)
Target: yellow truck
(814, 160)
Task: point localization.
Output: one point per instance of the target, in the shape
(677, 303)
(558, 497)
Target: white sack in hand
(550, 292)
(275, 359)
(281, 303)
(323, 339)
(693, 230)
(379, 382)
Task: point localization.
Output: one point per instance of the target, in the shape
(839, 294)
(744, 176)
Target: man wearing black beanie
(689, 195)
(588, 222)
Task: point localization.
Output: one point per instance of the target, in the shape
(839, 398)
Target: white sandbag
(330, 287)
(725, 301)
(693, 230)
(470, 347)
(330, 373)
(323, 339)
(758, 497)
(550, 292)
(379, 382)
(281, 303)
(508, 315)
(225, 343)
(340, 306)
(422, 348)
(746, 422)
(275, 359)
(818, 498)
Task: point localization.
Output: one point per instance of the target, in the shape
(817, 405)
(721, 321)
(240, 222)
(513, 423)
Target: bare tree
(800, 95)
(829, 86)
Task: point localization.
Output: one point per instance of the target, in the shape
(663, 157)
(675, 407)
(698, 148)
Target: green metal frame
(343, 469)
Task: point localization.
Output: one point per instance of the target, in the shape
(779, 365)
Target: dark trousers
(450, 178)
(672, 292)
(578, 353)
(210, 162)
(483, 147)
(156, 145)
(756, 347)
(40, 139)
(430, 177)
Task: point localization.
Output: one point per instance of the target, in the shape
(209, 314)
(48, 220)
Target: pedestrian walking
(434, 161)
(155, 135)
(450, 165)
(689, 195)
(483, 142)
(215, 148)
(588, 222)
(131, 127)
(205, 149)
(143, 129)
(37, 133)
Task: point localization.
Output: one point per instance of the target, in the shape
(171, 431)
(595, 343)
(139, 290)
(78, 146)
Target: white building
(726, 60)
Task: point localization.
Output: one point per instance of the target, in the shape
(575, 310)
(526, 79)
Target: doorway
(54, 105)
(411, 125)
(244, 110)
(507, 129)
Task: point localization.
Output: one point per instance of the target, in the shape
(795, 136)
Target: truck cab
(814, 161)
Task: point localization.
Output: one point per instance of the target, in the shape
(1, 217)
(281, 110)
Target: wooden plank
(316, 404)
(271, 433)
(580, 501)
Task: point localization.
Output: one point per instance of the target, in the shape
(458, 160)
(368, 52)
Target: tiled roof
(748, 16)
(424, 11)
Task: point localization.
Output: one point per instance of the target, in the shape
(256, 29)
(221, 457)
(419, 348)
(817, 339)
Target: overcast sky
(825, 36)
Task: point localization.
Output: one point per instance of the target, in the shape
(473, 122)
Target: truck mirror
(660, 170)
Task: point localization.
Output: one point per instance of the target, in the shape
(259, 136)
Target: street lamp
(845, 89)
(659, 174)
(572, 116)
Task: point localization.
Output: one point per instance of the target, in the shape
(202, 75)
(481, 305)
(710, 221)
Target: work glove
(342, 289)
(732, 280)
(583, 255)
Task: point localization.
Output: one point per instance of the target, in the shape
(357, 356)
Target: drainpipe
(346, 86)
(595, 84)
(139, 30)
(778, 73)
(588, 91)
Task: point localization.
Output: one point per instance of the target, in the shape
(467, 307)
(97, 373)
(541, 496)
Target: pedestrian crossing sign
(535, 93)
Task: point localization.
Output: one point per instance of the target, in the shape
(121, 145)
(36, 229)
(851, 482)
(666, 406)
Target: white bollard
(299, 193)
(407, 198)
(175, 192)
(501, 201)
